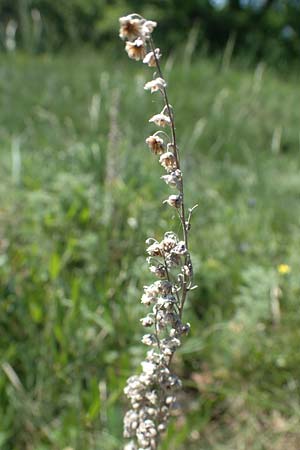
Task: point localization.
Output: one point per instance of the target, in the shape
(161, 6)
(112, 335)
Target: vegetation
(79, 197)
(267, 29)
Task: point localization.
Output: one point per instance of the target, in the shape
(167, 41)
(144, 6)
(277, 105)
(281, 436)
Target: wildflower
(155, 144)
(147, 321)
(166, 301)
(149, 339)
(173, 179)
(164, 286)
(283, 269)
(168, 161)
(152, 290)
(148, 367)
(174, 200)
(158, 84)
(169, 242)
(147, 299)
(131, 420)
(160, 119)
(180, 248)
(152, 57)
(173, 260)
(136, 49)
(152, 392)
(148, 27)
(155, 249)
(159, 271)
(130, 28)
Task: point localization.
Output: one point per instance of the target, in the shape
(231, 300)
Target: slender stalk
(182, 215)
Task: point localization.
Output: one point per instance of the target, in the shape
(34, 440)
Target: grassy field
(80, 193)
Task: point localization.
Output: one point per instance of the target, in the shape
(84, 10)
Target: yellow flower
(283, 269)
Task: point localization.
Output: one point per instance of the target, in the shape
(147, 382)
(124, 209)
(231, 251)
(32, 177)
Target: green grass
(80, 193)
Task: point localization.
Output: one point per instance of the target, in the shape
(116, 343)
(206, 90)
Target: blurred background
(80, 193)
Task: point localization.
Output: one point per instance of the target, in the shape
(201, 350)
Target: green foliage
(80, 194)
(262, 29)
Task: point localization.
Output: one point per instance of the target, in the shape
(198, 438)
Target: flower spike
(152, 393)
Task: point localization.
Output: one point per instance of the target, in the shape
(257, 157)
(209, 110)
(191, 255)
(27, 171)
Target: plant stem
(183, 221)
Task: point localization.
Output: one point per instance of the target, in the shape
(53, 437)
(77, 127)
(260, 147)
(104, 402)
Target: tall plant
(152, 393)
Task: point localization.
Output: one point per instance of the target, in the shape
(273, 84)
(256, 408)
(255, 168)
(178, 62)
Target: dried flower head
(130, 27)
(168, 161)
(155, 144)
(136, 49)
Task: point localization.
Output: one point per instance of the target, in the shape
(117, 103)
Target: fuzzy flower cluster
(152, 393)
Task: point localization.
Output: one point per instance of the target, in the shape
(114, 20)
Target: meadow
(80, 193)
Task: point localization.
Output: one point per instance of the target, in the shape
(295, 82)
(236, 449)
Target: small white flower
(161, 427)
(152, 397)
(173, 179)
(148, 27)
(158, 84)
(160, 119)
(152, 57)
(148, 367)
(147, 321)
(149, 339)
(147, 299)
(174, 200)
